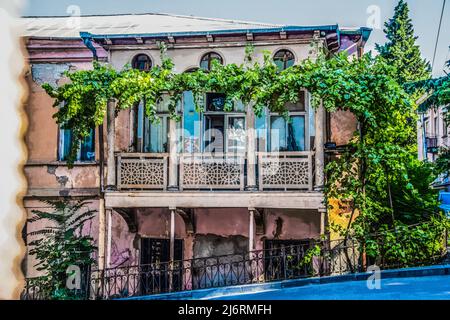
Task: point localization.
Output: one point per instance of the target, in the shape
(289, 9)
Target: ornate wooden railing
(215, 171)
(212, 171)
(142, 171)
(285, 170)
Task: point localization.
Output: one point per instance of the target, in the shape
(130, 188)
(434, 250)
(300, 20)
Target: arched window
(284, 59)
(207, 59)
(141, 62)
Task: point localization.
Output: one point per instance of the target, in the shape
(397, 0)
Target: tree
(401, 50)
(60, 245)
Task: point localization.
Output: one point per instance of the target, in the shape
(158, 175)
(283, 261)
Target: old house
(212, 184)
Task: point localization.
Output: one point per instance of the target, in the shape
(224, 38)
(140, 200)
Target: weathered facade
(214, 183)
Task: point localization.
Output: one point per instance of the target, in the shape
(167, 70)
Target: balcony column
(171, 246)
(101, 234)
(110, 141)
(108, 237)
(251, 229)
(251, 148)
(173, 156)
(319, 143)
(323, 219)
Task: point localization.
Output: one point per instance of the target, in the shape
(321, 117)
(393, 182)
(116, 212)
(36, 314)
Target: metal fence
(314, 259)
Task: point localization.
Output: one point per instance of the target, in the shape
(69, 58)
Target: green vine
(378, 173)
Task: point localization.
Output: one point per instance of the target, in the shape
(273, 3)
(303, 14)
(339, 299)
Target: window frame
(305, 113)
(164, 116)
(135, 57)
(284, 62)
(209, 53)
(227, 115)
(60, 147)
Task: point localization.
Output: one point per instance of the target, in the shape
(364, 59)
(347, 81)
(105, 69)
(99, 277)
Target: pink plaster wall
(223, 222)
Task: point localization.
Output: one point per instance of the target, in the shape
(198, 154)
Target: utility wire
(438, 34)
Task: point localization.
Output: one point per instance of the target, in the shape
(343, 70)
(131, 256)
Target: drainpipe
(87, 40)
(103, 234)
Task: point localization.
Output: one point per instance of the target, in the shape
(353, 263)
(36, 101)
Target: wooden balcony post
(251, 149)
(319, 142)
(173, 156)
(110, 141)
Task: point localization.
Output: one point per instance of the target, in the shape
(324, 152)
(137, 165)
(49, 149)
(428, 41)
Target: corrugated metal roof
(126, 24)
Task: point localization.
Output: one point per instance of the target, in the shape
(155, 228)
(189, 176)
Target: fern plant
(61, 244)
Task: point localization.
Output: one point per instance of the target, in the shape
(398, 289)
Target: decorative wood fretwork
(285, 170)
(212, 171)
(142, 171)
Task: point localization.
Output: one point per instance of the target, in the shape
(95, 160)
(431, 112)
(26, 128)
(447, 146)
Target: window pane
(206, 61)
(261, 132)
(284, 59)
(236, 134)
(214, 131)
(88, 148)
(277, 133)
(65, 138)
(287, 135)
(239, 106)
(296, 134)
(299, 105)
(215, 102)
(156, 136)
(86, 151)
(191, 119)
(141, 62)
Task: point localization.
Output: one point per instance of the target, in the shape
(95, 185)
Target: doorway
(156, 272)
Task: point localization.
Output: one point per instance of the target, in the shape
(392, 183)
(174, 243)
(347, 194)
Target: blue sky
(425, 14)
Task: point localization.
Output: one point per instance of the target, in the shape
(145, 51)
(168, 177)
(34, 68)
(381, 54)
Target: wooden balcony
(204, 171)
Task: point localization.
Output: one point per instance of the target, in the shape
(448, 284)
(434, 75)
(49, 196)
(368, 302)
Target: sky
(425, 15)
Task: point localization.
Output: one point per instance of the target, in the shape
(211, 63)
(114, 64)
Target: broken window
(86, 152)
(283, 59)
(207, 59)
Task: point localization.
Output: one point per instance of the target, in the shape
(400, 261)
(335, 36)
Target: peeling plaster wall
(124, 128)
(218, 231)
(289, 224)
(124, 244)
(43, 171)
(212, 245)
(46, 176)
(155, 223)
(343, 125)
(60, 177)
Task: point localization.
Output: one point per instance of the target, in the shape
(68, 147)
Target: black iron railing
(313, 259)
